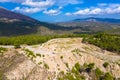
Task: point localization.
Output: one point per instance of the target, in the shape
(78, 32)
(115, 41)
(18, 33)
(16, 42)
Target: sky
(64, 10)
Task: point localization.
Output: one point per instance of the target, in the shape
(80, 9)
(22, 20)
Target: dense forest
(105, 41)
(33, 39)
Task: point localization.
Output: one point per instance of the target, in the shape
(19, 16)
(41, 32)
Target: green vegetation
(103, 76)
(16, 46)
(72, 74)
(40, 63)
(67, 65)
(105, 41)
(77, 66)
(106, 64)
(30, 54)
(108, 76)
(46, 66)
(98, 73)
(33, 39)
(102, 40)
(61, 57)
(2, 50)
(76, 51)
(90, 67)
(77, 73)
(38, 54)
(87, 67)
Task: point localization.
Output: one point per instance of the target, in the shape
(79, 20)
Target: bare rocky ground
(51, 58)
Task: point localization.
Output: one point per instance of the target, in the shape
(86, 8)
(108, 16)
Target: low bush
(2, 50)
(106, 64)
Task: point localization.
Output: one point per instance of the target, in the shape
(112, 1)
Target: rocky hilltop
(59, 59)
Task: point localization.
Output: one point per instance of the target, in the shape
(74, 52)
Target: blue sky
(64, 10)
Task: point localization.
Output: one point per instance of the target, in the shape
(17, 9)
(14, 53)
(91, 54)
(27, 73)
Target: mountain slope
(12, 23)
(93, 24)
(4, 13)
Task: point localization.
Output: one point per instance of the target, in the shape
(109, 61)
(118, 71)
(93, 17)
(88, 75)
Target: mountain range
(94, 24)
(12, 23)
(93, 19)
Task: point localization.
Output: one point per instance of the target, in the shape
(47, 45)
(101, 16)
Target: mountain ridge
(14, 15)
(109, 20)
(93, 24)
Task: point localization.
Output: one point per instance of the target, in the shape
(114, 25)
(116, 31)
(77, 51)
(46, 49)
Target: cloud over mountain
(100, 9)
(48, 10)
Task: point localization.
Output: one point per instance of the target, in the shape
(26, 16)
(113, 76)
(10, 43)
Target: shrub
(46, 66)
(16, 46)
(62, 72)
(108, 76)
(105, 64)
(2, 50)
(67, 65)
(30, 53)
(40, 63)
(77, 66)
(91, 65)
(61, 57)
(38, 55)
(98, 73)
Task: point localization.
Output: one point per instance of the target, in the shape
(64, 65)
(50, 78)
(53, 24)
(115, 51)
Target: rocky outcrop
(19, 67)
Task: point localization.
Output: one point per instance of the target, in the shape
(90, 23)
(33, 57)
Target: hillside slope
(46, 61)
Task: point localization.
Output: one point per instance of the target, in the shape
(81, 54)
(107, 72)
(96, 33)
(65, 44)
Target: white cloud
(102, 4)
(82, 12)
(34, 6)
(32, 3)
(66, 2)
(52, 12)
(96, 11)
(103, 9)
(57, 2)
(68, 14)
(27, 10)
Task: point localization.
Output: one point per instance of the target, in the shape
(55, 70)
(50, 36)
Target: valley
(85, 48)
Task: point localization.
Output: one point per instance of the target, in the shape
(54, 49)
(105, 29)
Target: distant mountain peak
(94, 19)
